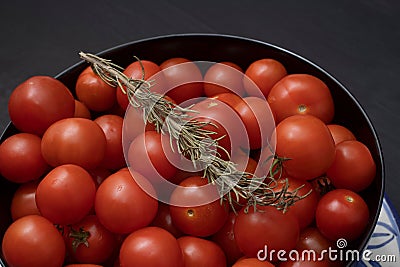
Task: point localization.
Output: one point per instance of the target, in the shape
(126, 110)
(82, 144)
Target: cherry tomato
(262, 75)
(304, 209)
(151, 247)
(258, 120)
(24, 201)
(190, 214)
(307, 144)
(199, 252)
(33, 241)
(163, 220)
(38, 102)
(112, 128)
(301, 94)
(225, 238)
(66, 194)
(151, 155)
(135, 71)
(134, 125)
(228, 98)
(183, 79)
(83, 265)
(311, 239)
(132, 208)
(353, 167)
(76, 141)
(265, 227)
(305, 263)
(88, 241)
(223, 77)
(99, 175)
(252, 262)
(81, 111)
(340, 133)
(94, 92)
(349, 210)
(21, 158)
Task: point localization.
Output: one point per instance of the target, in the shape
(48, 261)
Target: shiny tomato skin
(266, 226)
(225, 238)
(134, 71)
(21, 158)
(303, 209)
(24, 201)
(199, 252)
(301, 94)
(183, 78)
(134, 125)
(132, 208)
(223, 77)
(151, 155)
(101, 243)
(312, 239)
(307, 144)
(262, 75)
(228, 98)
(33, 241)
(38, 102)
(112, 127)
(258, 120)
(96, 94)
(193, 217)
(252, 262)
(66, 194)
(353, 167)
(81, 111)
(340, 133)
(151, 247)
(163, 220)
(76, 141)
(349, 210)
(305, 263)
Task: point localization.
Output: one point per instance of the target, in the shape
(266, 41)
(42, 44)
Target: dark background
(356, 41)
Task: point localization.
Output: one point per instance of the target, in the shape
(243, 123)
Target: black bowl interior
(242, 51)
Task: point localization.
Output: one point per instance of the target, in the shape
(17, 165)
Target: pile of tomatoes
(88, 179)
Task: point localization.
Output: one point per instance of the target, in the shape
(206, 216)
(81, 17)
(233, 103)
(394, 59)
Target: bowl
(242, 51)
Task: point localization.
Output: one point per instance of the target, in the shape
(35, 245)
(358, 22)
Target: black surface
(356, 41)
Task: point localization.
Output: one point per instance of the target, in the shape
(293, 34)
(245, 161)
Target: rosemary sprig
(193, 141)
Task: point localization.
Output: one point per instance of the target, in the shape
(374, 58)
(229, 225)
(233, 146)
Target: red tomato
(83, 265)
(24, 201)
(38, 102)
(112, 128)
(94, 92)
(262, 75)
(258, 120)
(305, 263)
(252, 262)
(225, 238)
(132, 208)
(99, 175)
(267, 227)
(134, 125)
(151, 247)
(21, 158)
(66, 194)
(183, 79)
(199, 252)
(349, 210)
(307, 144)
(228, 98)
(353, 167)
(88, 241)
(223, 77)
(81, 111)
(33, 241)
(189, 212)
(304, 209)
(151, 155)
(301, 94)
(163, 220)
(340, 133)
(76, 141)
(135, 71)
(224, 121)
(311, 239)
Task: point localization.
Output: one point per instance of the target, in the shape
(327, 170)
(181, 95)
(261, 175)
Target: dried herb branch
(193, 141)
